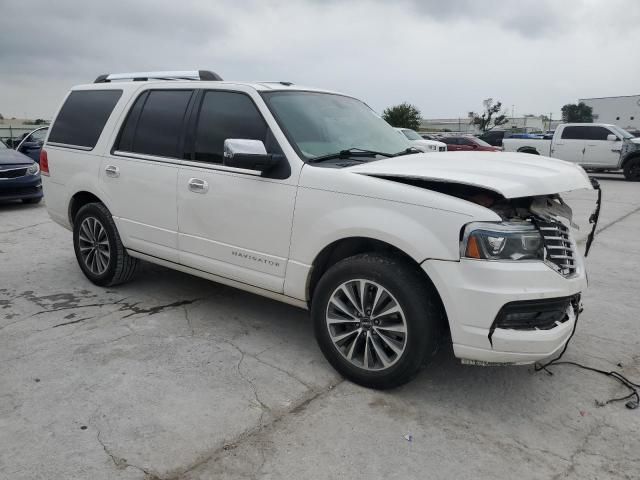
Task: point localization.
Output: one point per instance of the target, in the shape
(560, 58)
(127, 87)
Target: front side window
(597, 133)
(319, 124)
(225, 115)
(155, 123)
(83, 116)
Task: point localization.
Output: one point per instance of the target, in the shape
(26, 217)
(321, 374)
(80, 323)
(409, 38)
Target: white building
(623, 111)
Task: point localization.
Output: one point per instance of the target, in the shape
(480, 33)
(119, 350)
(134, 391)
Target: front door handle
(198, 186)
(112, 171)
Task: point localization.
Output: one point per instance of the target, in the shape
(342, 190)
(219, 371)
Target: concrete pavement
(174, 377)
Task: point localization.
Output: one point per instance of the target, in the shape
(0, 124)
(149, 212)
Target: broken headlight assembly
(502, 241)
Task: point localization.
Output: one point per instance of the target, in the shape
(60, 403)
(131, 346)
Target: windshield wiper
(349, 153)
(407, 151)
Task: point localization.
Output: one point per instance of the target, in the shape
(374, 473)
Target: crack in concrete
(122, 463)
(73, 322)
(581, 449)
(27, 226)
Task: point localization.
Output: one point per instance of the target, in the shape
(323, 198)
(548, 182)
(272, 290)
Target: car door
(570, 144)
(32, 143)
(233, 223)
(140, 175)
(466, 144)
(598, 149)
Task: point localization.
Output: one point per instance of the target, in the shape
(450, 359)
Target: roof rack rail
(204, 75)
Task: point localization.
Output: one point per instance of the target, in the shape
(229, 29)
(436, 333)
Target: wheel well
(78, 201)
(528, 150)
(629, 158)
(347, 247)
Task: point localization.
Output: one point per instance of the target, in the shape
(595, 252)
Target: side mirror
(248, 155)
(612, 138)
(474, 146)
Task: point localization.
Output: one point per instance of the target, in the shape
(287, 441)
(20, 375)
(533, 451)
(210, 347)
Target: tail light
(44, 163)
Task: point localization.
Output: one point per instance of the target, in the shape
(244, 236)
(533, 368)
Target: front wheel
(632, 170)
(376, 319)
(99, 250)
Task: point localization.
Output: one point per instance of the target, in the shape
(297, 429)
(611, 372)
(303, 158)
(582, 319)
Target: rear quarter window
(83, 116)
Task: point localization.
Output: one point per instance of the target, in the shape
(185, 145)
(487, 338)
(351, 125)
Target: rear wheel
(99, 250)
(632, 170)
(376, 319)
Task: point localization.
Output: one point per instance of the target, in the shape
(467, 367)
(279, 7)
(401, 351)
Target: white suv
(308, 197)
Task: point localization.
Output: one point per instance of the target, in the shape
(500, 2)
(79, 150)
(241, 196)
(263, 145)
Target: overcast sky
(444, 56)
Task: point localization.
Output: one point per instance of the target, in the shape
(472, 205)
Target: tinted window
(449, 140)
(596, 133)
(573, 133)
(155, 123)
(465, 141)
(226, 115)
(82, 117)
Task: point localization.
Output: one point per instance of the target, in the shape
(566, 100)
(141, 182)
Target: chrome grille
(559, 250)
(13, 172)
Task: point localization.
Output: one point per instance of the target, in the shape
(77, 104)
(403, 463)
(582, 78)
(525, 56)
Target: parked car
(32, 143)
(422, 143)
(19, 177)
(309, 198)
(595, 146)
(494, 137)
(467, 143)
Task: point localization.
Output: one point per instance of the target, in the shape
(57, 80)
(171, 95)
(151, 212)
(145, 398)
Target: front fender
(323, 217)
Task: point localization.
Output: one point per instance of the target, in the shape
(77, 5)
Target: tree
(404, 115)
(491, 118)
(580, 113)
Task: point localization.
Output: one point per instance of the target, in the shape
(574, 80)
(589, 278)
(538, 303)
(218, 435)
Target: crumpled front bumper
(473, 293)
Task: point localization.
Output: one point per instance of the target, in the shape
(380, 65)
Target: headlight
(502, 241)
(433, 147)
(33, 169)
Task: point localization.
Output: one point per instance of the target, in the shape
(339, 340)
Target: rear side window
(573, 133)
(226, 115)
(83, 116)
(155, 123)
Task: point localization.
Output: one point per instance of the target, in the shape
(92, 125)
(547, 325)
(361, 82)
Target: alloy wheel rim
(94, 245)
(366, 324)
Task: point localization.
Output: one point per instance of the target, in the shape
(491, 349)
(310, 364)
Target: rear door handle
(112, 171)
(198, 186)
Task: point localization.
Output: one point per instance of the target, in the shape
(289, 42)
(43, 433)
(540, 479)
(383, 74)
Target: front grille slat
(13, 172)
(558, 246)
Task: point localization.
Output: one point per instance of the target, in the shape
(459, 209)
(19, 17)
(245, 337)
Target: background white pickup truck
(595, 146)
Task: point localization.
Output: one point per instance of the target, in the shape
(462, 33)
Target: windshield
(411, 135)
(319, 124)
(481, 142)
(621, 131)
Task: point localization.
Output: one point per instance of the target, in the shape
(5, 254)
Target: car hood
(11, 157)
(512, 175)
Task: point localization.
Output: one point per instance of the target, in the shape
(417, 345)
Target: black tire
(120, 267)
(31, 200)
(414, 294)
(632, 170)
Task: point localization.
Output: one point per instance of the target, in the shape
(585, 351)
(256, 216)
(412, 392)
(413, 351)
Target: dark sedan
(19, 177)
